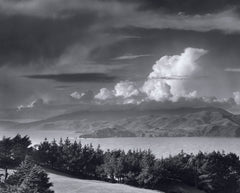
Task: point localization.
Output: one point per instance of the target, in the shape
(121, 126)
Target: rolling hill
(141, 123)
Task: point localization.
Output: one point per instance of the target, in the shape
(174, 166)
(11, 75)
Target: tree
(30, 178)
(54, 153)
(6, 155)
(147, 162)
(13, 151)
(20, 148)
(220, 173)
(36, 181)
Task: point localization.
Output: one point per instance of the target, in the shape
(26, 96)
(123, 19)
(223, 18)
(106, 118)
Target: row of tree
(212, 172)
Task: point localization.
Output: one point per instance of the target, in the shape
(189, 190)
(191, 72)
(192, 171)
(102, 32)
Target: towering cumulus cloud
(170, 73)
(167, 81)
(126, 89)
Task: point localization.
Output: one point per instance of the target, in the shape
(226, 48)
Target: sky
(138, 52)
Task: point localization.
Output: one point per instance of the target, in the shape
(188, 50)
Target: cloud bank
(157, 87)
(166, 86)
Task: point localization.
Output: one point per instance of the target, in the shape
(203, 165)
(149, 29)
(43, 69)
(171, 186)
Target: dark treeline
(214, 172)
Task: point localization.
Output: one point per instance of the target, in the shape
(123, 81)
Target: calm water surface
(160, 146)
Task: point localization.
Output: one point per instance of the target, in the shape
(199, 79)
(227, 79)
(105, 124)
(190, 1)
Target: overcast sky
(119, 51)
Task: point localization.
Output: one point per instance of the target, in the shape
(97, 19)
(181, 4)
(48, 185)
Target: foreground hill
(136, 123)
(63, 184)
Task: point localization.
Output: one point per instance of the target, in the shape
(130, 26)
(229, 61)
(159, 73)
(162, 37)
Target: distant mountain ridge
(209, 121)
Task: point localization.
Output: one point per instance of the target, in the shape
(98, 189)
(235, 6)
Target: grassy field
(65, 184)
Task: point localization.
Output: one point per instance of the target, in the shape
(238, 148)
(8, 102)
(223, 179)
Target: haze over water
(165, 146)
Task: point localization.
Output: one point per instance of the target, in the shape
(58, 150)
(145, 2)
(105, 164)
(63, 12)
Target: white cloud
(184, 65)
(236, 96)
(130, 56)
(123, 92)
(87, 96)
(192, 94)
(157, 90)
(126, 89)
(104, 94)
(131, 101)
(33, 104)
(177, 65)
(76, 95)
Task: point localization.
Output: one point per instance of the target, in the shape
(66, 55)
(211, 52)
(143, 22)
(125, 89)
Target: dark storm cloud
(188, 6)
(44, 8)
(27, 39)
(78, 77)
(38, 32)
(160, 42)
(62, 86)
